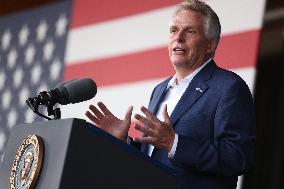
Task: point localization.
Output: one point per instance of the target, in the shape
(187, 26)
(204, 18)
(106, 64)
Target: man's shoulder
(224, 75)
(226, 80)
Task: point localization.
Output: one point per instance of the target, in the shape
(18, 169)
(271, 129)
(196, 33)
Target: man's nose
(180, 37)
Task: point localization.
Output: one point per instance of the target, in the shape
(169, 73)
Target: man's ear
(211, 46)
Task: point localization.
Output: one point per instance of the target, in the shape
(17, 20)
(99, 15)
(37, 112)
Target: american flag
(122, 45)
(32, 52)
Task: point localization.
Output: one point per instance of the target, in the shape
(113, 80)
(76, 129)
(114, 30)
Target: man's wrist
(171, 144)
(174, 147)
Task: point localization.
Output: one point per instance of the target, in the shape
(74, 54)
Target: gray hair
(212, 24)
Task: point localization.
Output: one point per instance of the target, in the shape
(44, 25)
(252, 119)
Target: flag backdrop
(121, 44)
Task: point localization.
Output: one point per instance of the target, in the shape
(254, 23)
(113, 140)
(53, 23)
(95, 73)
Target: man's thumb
(128, 114)
(166, 115)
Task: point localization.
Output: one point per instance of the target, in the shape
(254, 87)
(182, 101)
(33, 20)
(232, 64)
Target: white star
(2, 80)
(36, 73)
(29, 116)
(6, 99)
(6, 39)
(18, 77)
(12, 58)
(60, 25)
(12, 117)
(55, 69)
(23, 96)
(41, 30)
(30, 54)
(23, 35)
(2, 140)
(48, 50)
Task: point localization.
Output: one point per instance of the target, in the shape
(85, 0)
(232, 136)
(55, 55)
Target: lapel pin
(198, 89)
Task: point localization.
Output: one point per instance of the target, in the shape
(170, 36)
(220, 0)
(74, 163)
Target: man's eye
(190, 31)
(173, 30)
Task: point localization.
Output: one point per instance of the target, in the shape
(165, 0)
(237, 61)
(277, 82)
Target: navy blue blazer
(215, 123)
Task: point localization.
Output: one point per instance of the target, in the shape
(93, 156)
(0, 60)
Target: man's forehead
(180, 23)
(186, 19)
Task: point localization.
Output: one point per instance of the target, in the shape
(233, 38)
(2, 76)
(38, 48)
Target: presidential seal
(27, 163)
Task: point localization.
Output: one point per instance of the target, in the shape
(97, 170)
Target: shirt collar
(188, 78)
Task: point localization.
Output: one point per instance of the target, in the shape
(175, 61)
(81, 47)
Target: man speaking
(200, 122)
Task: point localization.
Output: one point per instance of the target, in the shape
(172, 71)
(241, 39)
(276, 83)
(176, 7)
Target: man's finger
(150, 115)
(147, 123)
(140, 118)
(128, 114)
(146, 139)
(96, 112)
(146, 131)
(104, 108)
(141, 129)
(166, 115)
(92, 118)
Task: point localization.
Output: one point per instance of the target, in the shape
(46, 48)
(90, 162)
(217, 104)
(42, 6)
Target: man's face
(188, 46)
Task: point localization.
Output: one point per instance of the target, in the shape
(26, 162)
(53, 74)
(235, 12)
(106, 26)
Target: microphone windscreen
(62, 92)
(60, 86)
(81, 90)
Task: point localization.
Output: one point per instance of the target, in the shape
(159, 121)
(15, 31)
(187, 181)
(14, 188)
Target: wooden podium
(79, 155)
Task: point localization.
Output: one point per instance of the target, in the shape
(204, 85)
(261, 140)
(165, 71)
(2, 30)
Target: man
(201, 121)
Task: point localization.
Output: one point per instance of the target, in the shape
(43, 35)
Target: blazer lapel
(194, 91)
(158, 96)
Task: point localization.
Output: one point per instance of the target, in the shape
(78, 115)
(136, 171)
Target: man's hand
(106, 121)
(159, 134)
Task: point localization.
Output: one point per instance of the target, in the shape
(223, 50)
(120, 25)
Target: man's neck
(182, 73)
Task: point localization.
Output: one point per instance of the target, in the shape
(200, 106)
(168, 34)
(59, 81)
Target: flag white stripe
(239, 16)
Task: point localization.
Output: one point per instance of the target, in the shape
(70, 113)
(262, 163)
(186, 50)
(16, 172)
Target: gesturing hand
(159, 134)
(106, 121)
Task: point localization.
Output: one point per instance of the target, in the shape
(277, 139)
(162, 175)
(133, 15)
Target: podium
(77, 154)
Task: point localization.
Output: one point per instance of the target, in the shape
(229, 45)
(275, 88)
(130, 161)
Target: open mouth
(178, 49)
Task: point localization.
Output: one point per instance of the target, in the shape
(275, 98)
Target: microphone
(79, 90)
(67, 92)
(73, 91)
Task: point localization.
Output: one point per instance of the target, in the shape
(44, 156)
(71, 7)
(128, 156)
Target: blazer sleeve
(230, 150)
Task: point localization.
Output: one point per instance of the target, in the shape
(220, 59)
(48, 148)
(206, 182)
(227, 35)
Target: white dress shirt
(173, 94)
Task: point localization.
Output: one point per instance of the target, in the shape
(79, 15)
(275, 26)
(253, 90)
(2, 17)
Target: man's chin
(179, 63)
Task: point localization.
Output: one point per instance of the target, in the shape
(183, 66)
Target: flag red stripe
(123, 69)
(92, 11)
(238, 50)
(234, 51)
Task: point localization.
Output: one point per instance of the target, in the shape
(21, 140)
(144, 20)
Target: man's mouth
(178, 49)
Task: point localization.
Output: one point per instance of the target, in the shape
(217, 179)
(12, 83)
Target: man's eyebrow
(184, 26)
(171, 26)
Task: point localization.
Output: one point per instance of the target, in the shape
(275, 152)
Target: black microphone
(78, 90)
(59, 94)
(73, 91)
(67, 92)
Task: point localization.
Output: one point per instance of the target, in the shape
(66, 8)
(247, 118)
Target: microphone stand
(43, 98)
